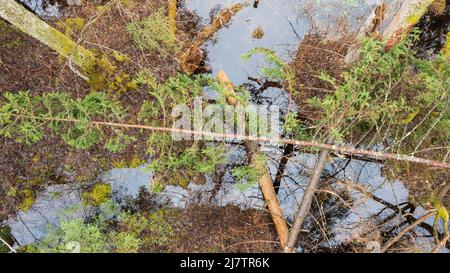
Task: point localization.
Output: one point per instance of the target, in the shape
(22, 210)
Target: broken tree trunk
(306, 202)
(404, 20)
(391, 23)
(193, 55)
(265, 182)
(29, 23)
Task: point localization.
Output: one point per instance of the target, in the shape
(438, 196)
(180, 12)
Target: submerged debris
(193, 54)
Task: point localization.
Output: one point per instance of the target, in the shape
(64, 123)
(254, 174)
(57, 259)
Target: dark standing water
(284, 22)
(44, 8)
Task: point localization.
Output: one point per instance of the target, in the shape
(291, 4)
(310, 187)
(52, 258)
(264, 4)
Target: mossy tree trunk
(32, 25)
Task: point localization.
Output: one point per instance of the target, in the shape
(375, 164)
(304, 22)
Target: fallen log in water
(193, 55)
(265, 182)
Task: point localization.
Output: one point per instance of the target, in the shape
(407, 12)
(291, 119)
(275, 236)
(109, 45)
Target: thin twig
(7, 245)
(408, 228)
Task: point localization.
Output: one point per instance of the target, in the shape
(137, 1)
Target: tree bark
(391, 23)
(403, 21)
(287, 154)
(29, 23)
(306, 202)
(265, 182)
(172, 14)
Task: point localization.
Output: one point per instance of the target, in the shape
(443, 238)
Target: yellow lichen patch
(102, 8)
(105, 64)
(104, 75)
(35, 181)
(128, 4)
(29, 198)
(36, 158)
(133, 85)
(119, 164)
(413, 19)
(98, 195)
(73, 25)
(136, 161)
(446, 49)
(120, 84)
(99, 72)
(418, 10)
(119, 56)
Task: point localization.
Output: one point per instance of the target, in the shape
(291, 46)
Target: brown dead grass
(223, 229)
(316, 55)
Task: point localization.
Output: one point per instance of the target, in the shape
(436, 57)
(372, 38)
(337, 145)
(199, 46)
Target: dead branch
(265, 182)
(408, 228)
(306, 202)
(287, 154)
(192, 55)
(7, 245)
(409, 217)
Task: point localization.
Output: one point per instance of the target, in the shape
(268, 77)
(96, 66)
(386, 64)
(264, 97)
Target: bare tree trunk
(29, 23)
(265, 182)
(403, 21)
(392, 23)
(306, 202)
(287, 154)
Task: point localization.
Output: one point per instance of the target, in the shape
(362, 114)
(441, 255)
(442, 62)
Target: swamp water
(284, 23)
